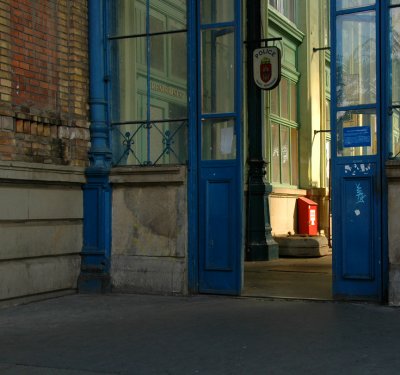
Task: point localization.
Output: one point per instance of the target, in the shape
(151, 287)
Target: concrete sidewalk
(133, 334)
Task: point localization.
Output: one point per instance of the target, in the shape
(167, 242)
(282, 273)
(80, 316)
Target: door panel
(219, 145)
(358, 228)
(357, 151)
(218, 224)
(219, 260)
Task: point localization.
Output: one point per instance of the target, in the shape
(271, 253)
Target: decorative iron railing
(150, 143)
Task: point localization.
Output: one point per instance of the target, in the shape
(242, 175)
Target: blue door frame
(359, 199)
(215, 186)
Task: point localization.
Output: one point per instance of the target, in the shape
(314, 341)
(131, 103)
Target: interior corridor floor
(304, 278)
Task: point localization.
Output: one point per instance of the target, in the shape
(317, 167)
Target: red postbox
(307, 216)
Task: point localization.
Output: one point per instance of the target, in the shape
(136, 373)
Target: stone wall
(40, 228)
(149, 230)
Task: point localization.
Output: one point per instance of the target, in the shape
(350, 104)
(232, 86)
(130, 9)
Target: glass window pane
(216, 11)
(284, 98)
(327, 115)
(285, 7)
(128, 17)
(356, 133)
(162, 15)
(275, 101)
(160, 143)
(293, 101)
(294, 155)
(157, 54)
(395, 54)
(285, 155)
(168, 86)
(395, 77)
(218, 71)
(356, 59)
(275, 154)
(395, 150)
(168, 142)
(218, 140)
(327, 161)
(178, 56)
(129, 82)
(348, 4)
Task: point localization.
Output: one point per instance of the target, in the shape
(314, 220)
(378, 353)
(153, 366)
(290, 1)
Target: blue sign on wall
(357, 136)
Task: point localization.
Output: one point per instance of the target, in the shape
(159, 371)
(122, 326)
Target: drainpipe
(95, 267)
(260, 244)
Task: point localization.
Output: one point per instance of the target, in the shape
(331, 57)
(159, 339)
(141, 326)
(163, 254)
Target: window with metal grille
(148, 82)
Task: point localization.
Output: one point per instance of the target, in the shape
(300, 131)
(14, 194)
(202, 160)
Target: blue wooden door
(219, 145)
(358, 147)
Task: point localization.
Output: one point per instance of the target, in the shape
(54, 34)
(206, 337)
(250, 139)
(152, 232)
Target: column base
(94, 283)
(262, 252)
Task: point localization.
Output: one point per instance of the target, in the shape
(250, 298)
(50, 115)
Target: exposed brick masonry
(44, 81)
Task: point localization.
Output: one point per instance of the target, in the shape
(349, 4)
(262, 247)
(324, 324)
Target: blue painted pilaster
(95, 269)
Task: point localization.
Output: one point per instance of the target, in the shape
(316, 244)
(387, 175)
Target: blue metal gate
(359, 148)
(219, 147)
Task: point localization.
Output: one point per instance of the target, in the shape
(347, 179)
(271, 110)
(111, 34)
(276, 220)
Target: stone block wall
(44, 140)
(149, 230)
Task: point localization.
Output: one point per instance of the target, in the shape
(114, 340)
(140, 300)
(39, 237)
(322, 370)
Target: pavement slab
(136, 334)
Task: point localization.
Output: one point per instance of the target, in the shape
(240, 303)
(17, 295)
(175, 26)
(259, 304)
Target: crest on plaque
(267, 67)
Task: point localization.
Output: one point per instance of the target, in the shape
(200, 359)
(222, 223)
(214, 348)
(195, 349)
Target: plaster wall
(283, 210)
(40, 228)
(149, 230)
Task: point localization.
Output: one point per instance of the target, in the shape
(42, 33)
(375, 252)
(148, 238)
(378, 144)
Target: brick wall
(44, 81)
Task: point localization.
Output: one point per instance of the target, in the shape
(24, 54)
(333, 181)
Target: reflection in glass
(395, 77)
(275, 154)
(218, 71)
(294, 156)
(149, 82)
(395, 54)
(218, 139)
(284, 98)
(217, 11)
(168, 140)
(356, 59)
(129, 92)
(293, 102)
(348, 4)
(285, 155)
(285, 7)
(356, 133)
(274, 101)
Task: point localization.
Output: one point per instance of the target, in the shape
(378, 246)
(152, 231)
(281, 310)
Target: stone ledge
(287, 192)
(11, 171)
(392, 168)
(148, 175)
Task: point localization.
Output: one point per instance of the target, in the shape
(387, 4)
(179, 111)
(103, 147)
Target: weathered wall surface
(149, 230)
(44, 139)
(393, 175)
